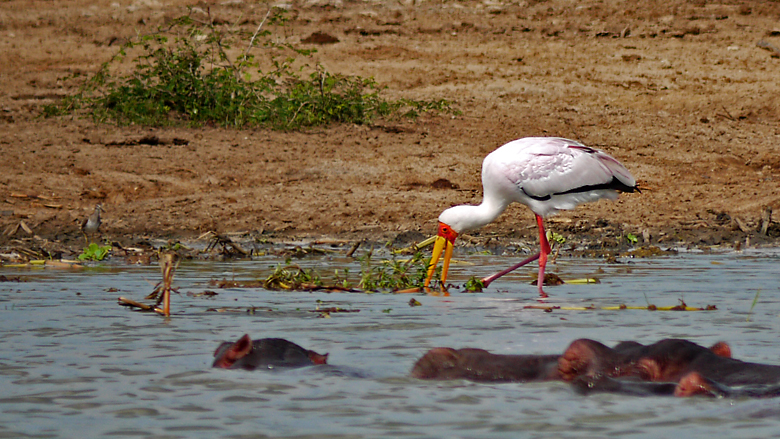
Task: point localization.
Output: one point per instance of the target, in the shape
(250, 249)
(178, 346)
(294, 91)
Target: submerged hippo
(668, 367)
(266, 353)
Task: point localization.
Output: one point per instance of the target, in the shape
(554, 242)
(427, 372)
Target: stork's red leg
(543, 252)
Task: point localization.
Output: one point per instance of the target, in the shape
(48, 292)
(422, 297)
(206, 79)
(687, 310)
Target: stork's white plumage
(547, 174)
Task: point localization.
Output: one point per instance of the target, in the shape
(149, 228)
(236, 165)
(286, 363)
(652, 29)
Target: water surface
(73, 363)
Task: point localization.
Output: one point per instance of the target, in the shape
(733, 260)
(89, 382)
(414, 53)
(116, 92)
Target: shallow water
(73, 363)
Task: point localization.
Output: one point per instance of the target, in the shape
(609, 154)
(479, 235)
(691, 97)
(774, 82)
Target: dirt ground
(681, 92)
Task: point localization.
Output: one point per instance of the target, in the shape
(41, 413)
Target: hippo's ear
(241, 348)
(721, 349)
(435, 363)
(228, 353)
(222, 348)
(318, 358)
(649, 369)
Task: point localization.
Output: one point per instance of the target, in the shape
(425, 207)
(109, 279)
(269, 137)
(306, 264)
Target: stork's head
(453, 222)
(444, 242)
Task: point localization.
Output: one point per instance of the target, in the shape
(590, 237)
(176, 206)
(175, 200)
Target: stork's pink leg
(487, 280)
(543, 252)
(542, 256)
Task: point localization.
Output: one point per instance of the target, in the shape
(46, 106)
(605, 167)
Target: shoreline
(243, 245)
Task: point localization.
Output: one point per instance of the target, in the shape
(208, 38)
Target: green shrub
(183, 74)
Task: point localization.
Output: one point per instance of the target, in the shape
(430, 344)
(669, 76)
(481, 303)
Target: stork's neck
(466, 217)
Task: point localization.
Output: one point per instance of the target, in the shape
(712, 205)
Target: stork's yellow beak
(444, 242)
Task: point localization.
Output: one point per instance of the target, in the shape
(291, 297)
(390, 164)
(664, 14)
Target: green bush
(183, 75)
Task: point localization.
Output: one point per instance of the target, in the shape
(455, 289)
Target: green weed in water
(753, 305)
(343, 283)
(385, 275)
(556, 238)
(95, 252)
(392, 274)
(291, 277)
(474, 285)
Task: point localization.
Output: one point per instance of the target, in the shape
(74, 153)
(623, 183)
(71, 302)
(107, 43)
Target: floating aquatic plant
(94, 252)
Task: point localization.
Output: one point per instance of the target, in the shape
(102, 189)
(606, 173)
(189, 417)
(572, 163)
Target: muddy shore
(685, 94)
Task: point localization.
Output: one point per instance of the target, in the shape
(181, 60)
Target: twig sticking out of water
(766, 219)
(133, 304)
(169, 261)
(353, 249)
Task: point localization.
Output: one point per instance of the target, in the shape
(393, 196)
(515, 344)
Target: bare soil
(681, 92)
